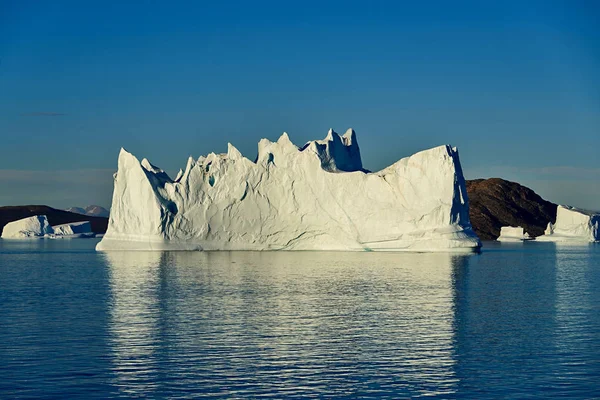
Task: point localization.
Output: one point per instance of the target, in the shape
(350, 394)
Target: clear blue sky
(514, 84)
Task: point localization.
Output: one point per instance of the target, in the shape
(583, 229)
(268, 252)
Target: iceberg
(513, 234)
(316, 197)
(31, 227)
(38, 226)
(78, 229)
(573, 225)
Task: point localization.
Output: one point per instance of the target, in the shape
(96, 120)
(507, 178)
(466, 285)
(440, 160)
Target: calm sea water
(517, 321)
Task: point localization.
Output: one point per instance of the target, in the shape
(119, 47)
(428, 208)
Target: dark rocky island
(495, 202)
(55, 217)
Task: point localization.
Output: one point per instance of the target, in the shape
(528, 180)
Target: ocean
(517, 321)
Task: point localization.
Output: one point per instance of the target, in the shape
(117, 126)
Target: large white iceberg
(31, 227)
(317, 197)
(573, 225)
(513, 234)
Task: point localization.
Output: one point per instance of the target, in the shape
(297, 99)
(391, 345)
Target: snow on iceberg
(317, 197)
(573, 224)
(79, 229)
(513, 234)
(31, 227)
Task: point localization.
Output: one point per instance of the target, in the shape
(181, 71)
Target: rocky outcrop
(495, 203)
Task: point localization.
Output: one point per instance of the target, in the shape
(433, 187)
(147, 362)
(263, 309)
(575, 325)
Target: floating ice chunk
(83, 228)
(513, 234)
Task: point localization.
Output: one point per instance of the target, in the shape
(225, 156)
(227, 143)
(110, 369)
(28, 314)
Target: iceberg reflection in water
(134, 315)
(519, 320)
(252, 323)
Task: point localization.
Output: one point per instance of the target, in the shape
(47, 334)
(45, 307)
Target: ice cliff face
(317, 197)
(573, 224)
(36, 226)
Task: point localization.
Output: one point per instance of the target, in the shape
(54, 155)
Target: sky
(515, 85)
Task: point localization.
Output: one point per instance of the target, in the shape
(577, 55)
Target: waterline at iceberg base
(317, 197)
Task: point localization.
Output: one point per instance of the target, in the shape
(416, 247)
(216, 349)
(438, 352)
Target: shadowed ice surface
(519, 320)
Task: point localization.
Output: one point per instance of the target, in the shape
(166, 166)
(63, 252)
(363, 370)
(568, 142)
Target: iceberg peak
(337, 153)
(329, 136)
(286, 144)
(349, 137)
(233, 153)
(179, 175)
(284, 138)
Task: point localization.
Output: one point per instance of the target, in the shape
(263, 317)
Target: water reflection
(134, 314)
(291, 324)
(513, 322)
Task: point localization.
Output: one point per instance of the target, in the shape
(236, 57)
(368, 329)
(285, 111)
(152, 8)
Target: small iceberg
(26, 228)
(573, 225)
(81, 229)
(38, 227)
(513, 234)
